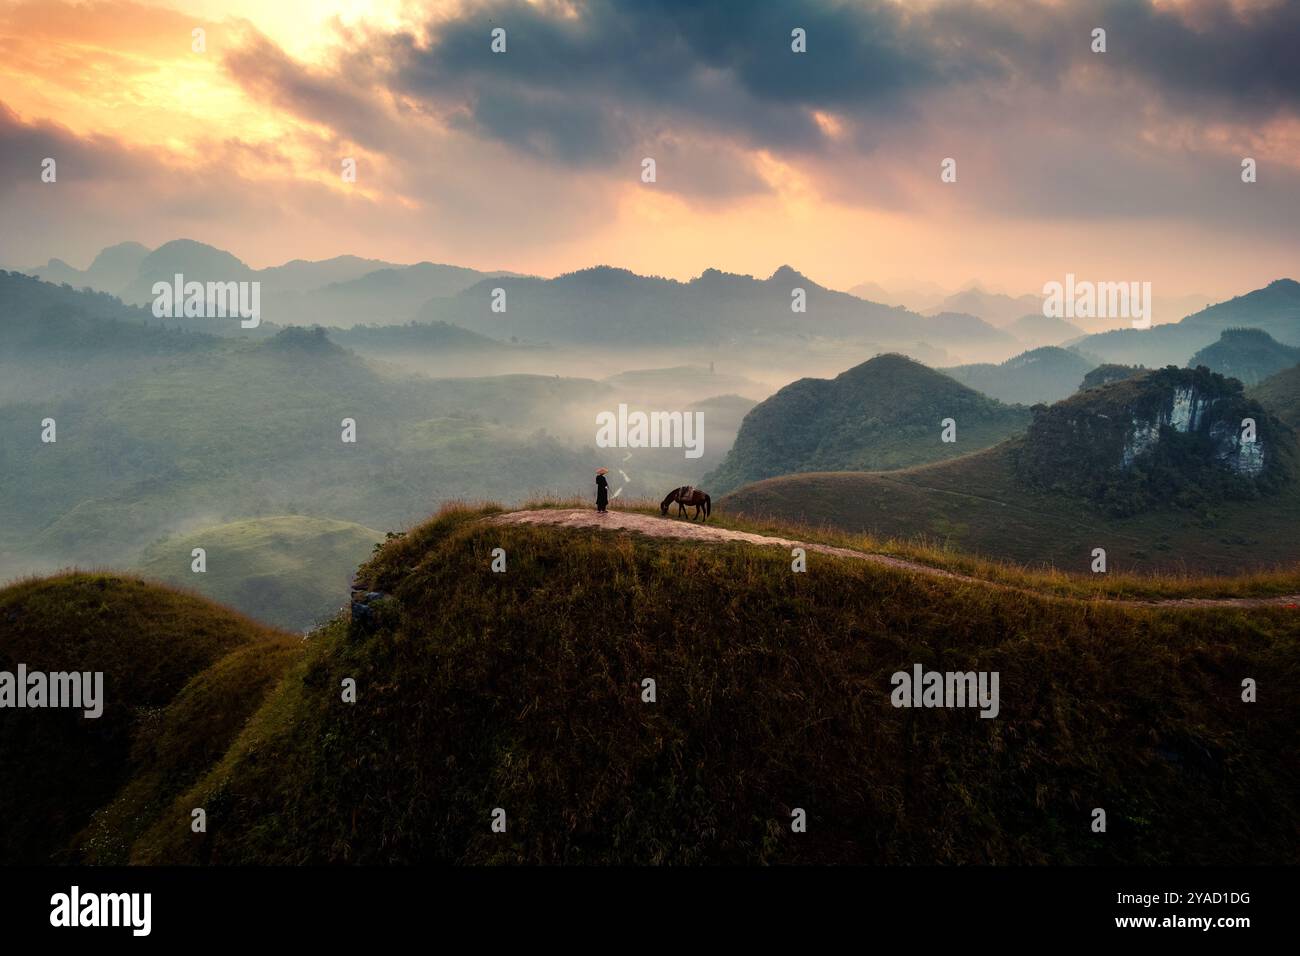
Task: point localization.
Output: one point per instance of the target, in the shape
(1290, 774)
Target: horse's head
(663, 508)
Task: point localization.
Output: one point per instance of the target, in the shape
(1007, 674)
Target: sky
(1115, 166)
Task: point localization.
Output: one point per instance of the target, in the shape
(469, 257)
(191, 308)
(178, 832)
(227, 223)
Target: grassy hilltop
(522, 690)
(286, 571)
(884, 413)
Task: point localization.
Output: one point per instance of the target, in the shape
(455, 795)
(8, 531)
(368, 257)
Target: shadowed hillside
(1248, 355)
(152, 644)
(1045, 374)
(524, 690)
(1280, 394)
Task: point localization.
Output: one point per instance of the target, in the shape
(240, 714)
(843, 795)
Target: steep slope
(1248, 355)
(173, 746)
(1275, 309)
(1280, 394)
(148, 642)
(1042, 375)
(885, 413)
(526, 691)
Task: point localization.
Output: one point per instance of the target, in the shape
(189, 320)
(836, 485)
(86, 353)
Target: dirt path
(697, 531)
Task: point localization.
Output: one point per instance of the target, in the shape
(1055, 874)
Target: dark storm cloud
(585, 90)
(1250, 60)
(621, 69)
(702, 86)
(728, 65)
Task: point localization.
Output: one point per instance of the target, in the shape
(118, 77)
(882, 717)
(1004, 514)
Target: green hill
(152, 644)
(290, 571)
(884, 413)
(1045, 374)
(1280, 394)
(523, 691)
(1171, 436)
(1275, 309)
(1149, 468)
(1105, 374)
(1248, 355)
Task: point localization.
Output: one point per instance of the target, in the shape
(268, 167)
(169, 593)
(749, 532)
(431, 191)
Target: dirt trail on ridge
(670, 527)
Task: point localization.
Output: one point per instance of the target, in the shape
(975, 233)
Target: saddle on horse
(684, 493)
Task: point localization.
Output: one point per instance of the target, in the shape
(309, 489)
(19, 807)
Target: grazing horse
(684, 496)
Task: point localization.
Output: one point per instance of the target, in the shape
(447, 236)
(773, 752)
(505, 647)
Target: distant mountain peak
(787, 274)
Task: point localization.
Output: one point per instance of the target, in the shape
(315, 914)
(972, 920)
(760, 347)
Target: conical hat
(602, 471)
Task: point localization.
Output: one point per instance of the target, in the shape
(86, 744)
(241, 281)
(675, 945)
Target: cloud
(593, 93)
(466, 154)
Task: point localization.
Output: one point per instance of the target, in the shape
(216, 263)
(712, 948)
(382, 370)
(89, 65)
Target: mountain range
(599, 306)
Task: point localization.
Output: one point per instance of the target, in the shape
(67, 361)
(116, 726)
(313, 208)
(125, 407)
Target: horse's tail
(708, 506)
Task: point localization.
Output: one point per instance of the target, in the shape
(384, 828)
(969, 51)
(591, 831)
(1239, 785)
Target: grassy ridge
(976, 505)
(150, 642)
(1280, 394)
(174, 746)
(522, 691)
(1172, 584)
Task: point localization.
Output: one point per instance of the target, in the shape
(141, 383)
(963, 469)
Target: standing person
(602, 490)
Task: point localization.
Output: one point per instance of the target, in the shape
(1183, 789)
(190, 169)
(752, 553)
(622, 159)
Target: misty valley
(195, 432)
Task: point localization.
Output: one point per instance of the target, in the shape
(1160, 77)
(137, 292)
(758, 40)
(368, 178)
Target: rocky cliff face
(1190, 410)
(1174, 435)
